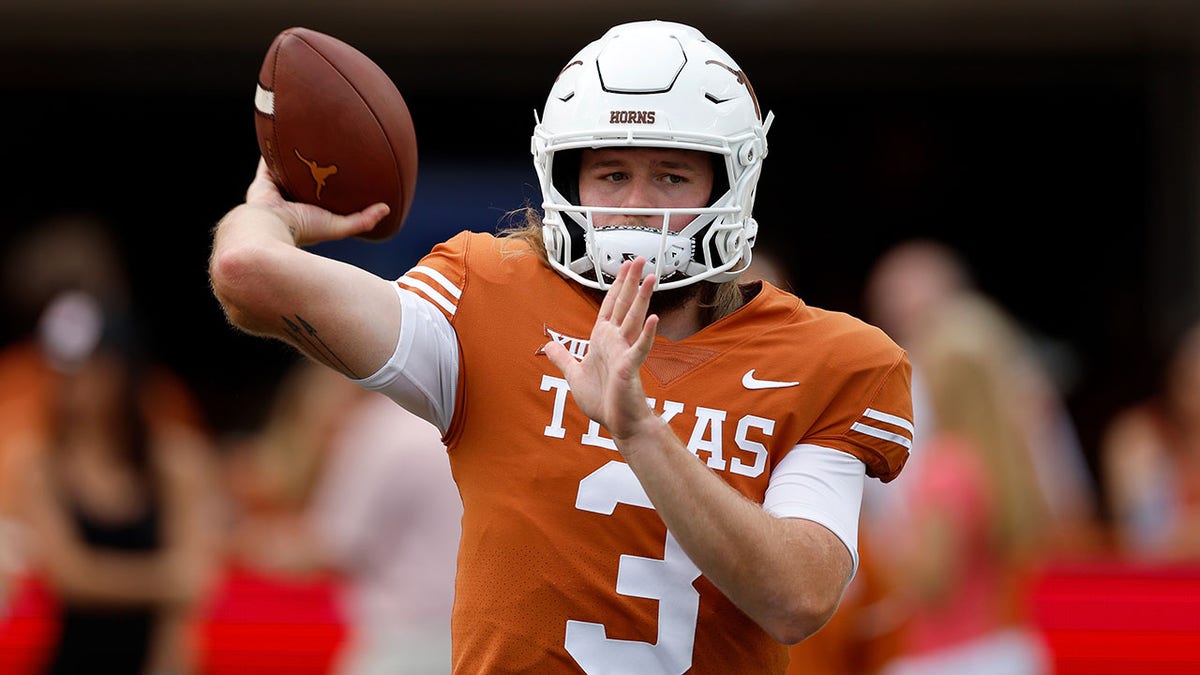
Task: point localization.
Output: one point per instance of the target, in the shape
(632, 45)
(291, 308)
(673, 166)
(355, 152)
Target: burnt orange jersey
(564, 565)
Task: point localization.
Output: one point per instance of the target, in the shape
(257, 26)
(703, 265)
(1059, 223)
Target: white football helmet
(651, 84)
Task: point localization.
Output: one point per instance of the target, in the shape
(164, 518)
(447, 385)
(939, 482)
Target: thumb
(318, 224)
(365, 220)
(559, 356)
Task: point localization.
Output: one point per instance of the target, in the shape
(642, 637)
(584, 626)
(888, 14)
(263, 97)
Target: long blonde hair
(973, 357)
(717, 299)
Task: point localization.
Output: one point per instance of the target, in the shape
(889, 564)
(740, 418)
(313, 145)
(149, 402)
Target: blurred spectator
(57, 255)
(272, 474)
(909, 283)
(67, 251)
(907, 287)
(390, 515)
(345, 482)
(1150, 457)
(119, 512)
(976, 524)
(918, 292)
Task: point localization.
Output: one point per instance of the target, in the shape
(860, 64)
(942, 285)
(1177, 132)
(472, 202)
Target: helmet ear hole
(720, 178)
(552, 239)
(747, 153)
(565, 174)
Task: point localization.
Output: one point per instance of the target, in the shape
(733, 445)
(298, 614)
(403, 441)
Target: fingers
(645, 340)
(627, 301)
(610, 296)
(635, 318)
(626, 289)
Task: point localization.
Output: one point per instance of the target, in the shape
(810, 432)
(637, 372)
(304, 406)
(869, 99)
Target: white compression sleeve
(822, 485)
(422, 374)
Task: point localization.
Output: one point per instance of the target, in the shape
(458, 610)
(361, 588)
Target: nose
(637, 193)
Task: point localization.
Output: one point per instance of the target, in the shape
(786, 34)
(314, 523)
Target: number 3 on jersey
(668, 580)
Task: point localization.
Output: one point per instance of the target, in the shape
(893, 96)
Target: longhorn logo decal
(319, 173)
(743, 80)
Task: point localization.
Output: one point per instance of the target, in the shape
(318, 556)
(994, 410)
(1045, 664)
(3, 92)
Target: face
(644, 178)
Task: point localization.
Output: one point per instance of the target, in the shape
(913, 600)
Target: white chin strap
(666, 254)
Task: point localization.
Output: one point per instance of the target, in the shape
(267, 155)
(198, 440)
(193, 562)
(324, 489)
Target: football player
(661, 469)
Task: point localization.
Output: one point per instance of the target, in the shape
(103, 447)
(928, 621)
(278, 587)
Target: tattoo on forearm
(306, 337)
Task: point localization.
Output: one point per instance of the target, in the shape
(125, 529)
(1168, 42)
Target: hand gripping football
(333, 128)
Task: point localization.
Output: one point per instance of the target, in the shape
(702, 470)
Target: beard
(663, 301)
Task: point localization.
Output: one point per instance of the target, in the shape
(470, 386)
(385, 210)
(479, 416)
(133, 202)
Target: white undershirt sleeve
(822, 485)
(422, 374)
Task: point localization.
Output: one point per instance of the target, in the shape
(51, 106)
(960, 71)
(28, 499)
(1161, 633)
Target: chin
(665, 301)
(661, 301)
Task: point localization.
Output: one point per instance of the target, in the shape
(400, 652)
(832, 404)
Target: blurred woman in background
(117, 508)
(978, 521)
(1150, 459)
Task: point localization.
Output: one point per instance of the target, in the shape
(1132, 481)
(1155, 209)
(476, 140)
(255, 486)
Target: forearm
(77, 571)
(175, 575)
(787, 574)
(190, 506)
(104, 578)
(338, 314)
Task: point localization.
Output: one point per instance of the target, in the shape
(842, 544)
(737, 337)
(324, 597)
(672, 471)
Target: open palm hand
(606, 384)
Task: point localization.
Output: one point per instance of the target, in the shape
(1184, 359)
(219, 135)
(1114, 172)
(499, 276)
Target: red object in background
(267, 624)
(253, 624)
(28, 625)
(1098, 618)
(1111, 618)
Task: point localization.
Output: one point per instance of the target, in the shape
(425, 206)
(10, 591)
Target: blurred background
(1052, 144)
(1053, 141)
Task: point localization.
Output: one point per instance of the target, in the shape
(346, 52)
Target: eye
(674, 179)
(615, 177)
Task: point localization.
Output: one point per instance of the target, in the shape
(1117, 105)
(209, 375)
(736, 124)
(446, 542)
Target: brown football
(334, 129)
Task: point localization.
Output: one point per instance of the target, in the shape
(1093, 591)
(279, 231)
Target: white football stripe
(439, 278)
(890, 419)
(428, 290)
(881, 434)
(264, 100)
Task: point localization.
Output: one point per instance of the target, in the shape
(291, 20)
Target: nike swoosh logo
(751, 382)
